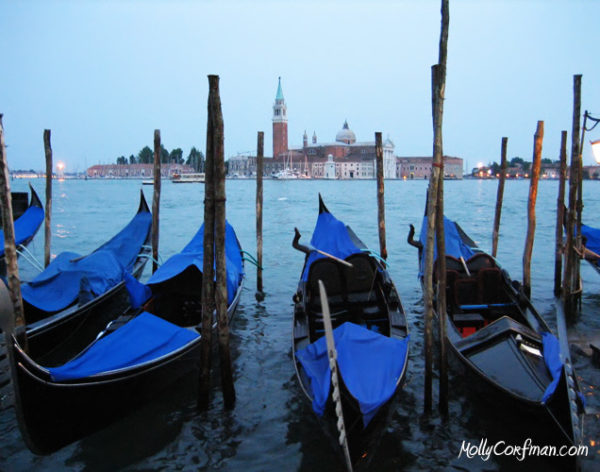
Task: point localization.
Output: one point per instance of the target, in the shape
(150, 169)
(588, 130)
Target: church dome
(345, 135)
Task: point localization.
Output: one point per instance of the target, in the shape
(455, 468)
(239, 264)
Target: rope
(377, 256)
(29, 257)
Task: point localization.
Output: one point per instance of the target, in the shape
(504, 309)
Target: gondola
(141, 352)
(499, 339)
(28, 219)
(75, 296)
(370, 331)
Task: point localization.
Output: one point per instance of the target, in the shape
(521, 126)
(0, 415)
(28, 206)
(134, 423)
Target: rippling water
(272, 426)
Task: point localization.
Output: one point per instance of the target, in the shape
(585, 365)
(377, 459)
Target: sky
(102, 75)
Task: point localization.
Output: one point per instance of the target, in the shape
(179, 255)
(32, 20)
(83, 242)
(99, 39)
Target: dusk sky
(102, 75)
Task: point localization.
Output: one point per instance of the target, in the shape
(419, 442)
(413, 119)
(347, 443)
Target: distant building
(349, 159)
(420, 167)
(135, 171)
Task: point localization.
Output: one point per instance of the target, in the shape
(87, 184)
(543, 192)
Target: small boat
(28, 219)
(148, 182)
(129, 360)
(369, 324)
(499, 338)
(75, 292)
(197, 178)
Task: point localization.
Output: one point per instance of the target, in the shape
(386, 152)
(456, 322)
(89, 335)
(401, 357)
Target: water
(272, 426)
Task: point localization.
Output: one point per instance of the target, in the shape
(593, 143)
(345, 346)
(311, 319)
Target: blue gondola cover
(454, 244)
(369, 363)
(144, 338)
(553, 362)
(592, 236)
(193, 255)
(25, 226)
(69, 278)
(330, 235)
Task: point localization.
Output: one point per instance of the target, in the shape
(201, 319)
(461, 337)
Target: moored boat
(76, 296)
(131, 359)
(500, 340)
(370, 332)
(28, 219)
(197, 178)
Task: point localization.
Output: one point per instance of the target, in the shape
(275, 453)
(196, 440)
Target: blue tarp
(330, 235)
(25, 226)
(69, 278)
(592, 236)
(144, 338)
(552, 360)
(454, 244)
(193, 255)
(369, 363)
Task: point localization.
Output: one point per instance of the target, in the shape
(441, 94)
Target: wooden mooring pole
(380, 194)
(438, 93)
(260, 149)
(533, 184)
(576, 150)
(10, 249)
(570, 287)
(221, 269)
(499, 198)
(208, 274)
(48, 211)
(156, 200)
(560, 215)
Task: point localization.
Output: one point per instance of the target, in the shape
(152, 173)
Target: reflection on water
(272, 426)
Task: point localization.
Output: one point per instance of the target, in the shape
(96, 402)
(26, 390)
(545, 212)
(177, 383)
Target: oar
(465, 266)
(332, 355)
(307, 248)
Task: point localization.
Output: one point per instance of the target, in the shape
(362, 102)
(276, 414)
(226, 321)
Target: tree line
(195, 158)
(515, 162)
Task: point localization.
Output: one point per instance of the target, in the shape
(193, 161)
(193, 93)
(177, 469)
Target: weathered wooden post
(208, 273)
(380, 194)
(220, 262)
(499, 197)
(259, 217)
(10, 249)
(560, 214)
(576, 149)
(533, 184)
(570, 287)
(48, 213)
(156, 200)
(438, 93)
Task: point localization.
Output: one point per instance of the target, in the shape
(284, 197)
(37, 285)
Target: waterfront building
(135, 171)
(420, 167)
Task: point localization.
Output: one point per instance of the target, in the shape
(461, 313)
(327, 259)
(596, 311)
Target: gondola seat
(360, 279)
(466, 291)
(491, 286)
(479, 262)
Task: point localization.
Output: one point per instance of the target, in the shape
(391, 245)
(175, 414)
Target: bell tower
(280, 131)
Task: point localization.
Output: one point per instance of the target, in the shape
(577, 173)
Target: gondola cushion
(369, 363)
(146, 337)
(69, 278)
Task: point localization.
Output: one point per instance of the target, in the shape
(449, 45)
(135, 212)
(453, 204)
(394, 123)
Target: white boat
(188, 178)
(285, 174)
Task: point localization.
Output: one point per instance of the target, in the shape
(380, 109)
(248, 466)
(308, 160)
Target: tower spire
(280, 138)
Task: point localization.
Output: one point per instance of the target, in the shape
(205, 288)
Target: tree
(121, 160)
(146, 156)
(546, 161)
(176, 156)
(132, 159)
(164, 155)
(196, 160)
